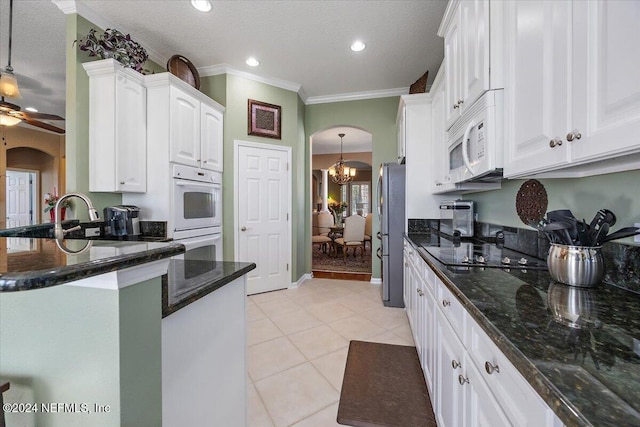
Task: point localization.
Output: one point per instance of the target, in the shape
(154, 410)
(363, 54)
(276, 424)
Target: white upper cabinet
(572, 92)
(537, 73)
(606, 79)
(185, 121)
(471, 67)
(117, 128)
(414, 129)
(211, 135)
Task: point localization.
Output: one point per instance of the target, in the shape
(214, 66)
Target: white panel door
(606, 82)
(450, 410)
(131, 135)
(452, 90)
(262, 218)
(19, 209)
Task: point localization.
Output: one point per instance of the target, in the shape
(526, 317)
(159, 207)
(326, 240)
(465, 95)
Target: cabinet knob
(455, 106)
(455, 364)
(243, 228)
(555, 142)
(446, 303)
(574, 135)
(491, 368)
(460, 101)
(462, 380)
(121, 182)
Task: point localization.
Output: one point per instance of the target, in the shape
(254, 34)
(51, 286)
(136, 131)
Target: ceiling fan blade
(40, 116)
(43, 125)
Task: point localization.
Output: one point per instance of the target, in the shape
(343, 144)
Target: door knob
(243, 228)
(555, 142)
(574, 135)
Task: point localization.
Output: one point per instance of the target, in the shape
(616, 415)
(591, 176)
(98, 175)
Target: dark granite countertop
(33, 263)
(174, 298)
(589, 376)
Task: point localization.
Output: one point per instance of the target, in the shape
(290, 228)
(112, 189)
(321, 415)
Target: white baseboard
(376, 281)
(307, 276)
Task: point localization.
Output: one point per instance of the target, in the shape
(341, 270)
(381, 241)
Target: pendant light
(8, 82)
(339, 172)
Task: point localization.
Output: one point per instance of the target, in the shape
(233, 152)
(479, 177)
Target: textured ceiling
(301, 42)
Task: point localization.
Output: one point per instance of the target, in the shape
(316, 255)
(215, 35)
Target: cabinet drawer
(451, 307)
(522, 404)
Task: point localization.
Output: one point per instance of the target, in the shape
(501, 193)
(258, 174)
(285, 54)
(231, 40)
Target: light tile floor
(297, 347)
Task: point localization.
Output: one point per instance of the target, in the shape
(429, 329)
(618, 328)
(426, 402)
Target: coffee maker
(121, 220)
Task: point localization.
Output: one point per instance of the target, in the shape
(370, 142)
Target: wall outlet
(636, 238)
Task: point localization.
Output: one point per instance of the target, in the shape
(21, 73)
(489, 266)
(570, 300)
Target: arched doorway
(340, 201)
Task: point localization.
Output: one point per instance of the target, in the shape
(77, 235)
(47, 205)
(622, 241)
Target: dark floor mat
(384, 386)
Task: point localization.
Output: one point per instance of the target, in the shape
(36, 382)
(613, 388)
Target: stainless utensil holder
(576, 265)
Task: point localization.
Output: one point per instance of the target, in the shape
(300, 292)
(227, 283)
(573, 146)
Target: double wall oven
(196, 223)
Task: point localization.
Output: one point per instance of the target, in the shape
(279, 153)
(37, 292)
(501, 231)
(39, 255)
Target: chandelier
(339, 172)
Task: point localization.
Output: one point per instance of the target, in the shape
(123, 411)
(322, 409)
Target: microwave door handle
(465, 150)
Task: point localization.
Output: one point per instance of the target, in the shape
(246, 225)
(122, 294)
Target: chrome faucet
(58, 232)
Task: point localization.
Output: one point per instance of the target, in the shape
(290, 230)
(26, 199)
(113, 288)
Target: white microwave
(476, 142)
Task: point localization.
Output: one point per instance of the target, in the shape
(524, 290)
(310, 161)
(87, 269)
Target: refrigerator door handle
(378, 254)
(379, 235)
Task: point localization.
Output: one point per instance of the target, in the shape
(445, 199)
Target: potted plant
(113, 44)
(50, 201)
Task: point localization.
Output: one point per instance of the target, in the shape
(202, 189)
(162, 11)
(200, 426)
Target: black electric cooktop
(476, 253)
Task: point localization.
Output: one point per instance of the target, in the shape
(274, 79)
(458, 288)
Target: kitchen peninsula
(82, 327)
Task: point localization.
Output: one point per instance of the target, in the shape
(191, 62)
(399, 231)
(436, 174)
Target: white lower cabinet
(471, 382)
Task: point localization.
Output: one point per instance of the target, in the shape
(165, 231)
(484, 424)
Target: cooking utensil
(584, 239)
(609, 217)
(559, 230)
(622, 233)
(576, 265)
(601, 234)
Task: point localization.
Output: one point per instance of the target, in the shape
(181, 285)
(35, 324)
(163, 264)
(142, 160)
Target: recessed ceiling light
(358, 46)
(33, 110)
(252, 62)
(201, 5)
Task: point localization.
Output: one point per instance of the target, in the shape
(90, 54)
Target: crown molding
(69, 7)
(215, 70)
(357, 96)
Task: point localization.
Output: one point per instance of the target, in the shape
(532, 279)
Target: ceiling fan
(11, 114)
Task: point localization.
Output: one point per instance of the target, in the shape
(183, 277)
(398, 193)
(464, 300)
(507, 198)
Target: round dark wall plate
(531, 202)
(182, 68)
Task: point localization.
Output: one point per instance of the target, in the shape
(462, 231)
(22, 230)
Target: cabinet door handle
(446, 303)
(490, 368)
(121, 182)
(462, 380)
(455, 364)
(455, 106)
(555, 142)
(574, 135)
(460, 101)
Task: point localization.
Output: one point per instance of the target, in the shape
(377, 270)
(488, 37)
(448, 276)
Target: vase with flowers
(338, 210)
(50, 201)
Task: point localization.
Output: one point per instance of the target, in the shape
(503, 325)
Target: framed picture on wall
(264, 119)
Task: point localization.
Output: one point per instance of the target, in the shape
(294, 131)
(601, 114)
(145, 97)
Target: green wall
(237, 92)
(584, 196)
(376, 116)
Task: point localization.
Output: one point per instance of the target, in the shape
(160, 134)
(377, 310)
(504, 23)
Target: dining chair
(322, 239)
(352, 236)
(367, 231)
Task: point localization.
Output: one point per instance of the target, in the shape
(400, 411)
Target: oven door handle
(196, 184)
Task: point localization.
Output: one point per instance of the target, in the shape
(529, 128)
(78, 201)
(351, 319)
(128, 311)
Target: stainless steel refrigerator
(391, 212)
